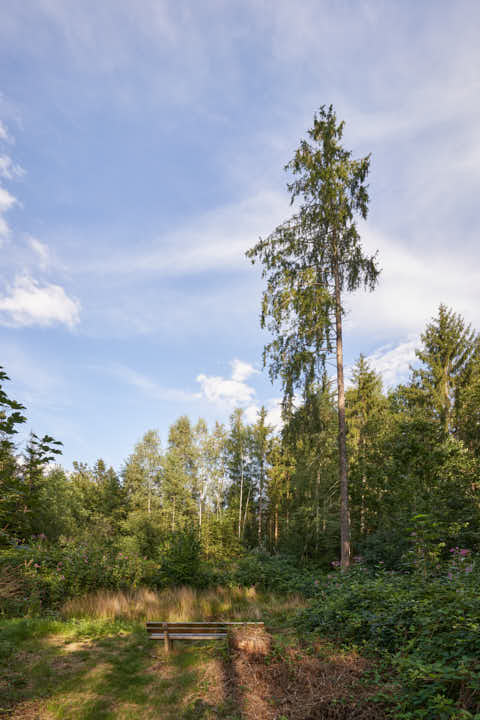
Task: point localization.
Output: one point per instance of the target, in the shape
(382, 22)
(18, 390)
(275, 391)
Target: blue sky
(142, 145)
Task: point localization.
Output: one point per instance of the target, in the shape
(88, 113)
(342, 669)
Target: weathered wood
(189, 636)
(153, 623)
(166, 638)
(169, 631)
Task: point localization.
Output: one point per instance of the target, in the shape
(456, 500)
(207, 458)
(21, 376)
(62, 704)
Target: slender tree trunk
(246, 510)
(260, 508)
(241, 502)
(276, 526)
(364, 486)
(342, 435)
(317, 511)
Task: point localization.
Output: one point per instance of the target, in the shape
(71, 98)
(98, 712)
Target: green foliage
(51, 573)
(181, 559)
(278, 573)
(306, 257)
(426, 631)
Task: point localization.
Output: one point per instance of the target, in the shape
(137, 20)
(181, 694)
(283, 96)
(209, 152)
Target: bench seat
(168, 631)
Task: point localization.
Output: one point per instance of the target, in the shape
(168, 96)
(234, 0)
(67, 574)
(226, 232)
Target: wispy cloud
(29, 303)
(6, 202)
(4, 133)
(214, 240)
(148, 386)
(413, 283)
(40, 249)
(393, 362)
(8, 169)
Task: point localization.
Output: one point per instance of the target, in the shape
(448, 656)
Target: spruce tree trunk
(260, 508)
(342, 436)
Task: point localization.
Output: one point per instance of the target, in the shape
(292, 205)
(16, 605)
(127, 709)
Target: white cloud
(412, 284)
(228, 394)
(6, 202)
(393, 362)
(274, 414)
(242, 370)
(41, 249)
(3, 132)
(225, 393)
(28, 303)
(8, 169)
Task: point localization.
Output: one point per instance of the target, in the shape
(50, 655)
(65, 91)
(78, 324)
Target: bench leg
(166, 639)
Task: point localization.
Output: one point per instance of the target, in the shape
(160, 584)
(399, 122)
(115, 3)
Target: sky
(142, 147)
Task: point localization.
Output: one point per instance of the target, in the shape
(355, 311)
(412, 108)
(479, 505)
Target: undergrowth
(425, 631)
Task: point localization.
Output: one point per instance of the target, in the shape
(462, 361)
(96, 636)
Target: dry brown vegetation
(179, 604)
(298, 685)
(251, 641)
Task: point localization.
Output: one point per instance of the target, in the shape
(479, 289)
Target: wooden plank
(198, 624)
(189, 636)
(193, 628)
(170, 633)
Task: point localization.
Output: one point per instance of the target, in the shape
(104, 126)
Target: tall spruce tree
(309, 261)
(366, 420)
(448, 348)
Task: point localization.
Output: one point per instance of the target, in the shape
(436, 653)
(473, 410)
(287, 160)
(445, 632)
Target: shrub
(427, 630)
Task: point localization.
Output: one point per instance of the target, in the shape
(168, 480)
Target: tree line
(413, 458)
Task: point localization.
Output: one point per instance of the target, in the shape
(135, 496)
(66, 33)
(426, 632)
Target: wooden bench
(168, 631)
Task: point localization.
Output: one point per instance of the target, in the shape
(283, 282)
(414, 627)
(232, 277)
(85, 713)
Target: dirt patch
(249, 640)
(303, 687)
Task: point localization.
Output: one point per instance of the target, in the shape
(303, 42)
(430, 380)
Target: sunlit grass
(180, 604)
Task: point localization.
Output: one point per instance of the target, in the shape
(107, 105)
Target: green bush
(51, 573)
(279, 573)
(427, 630)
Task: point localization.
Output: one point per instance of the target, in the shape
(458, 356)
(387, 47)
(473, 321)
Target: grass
(97, 663)
(181, 604)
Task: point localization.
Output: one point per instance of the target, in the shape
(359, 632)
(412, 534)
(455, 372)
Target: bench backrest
(191, 630)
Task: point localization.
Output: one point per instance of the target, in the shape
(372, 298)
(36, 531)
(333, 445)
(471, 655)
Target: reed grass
(179, 604)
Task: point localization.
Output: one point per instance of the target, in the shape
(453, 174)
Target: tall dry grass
(178, 604)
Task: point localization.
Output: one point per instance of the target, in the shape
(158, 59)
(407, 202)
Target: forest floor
(105, 669)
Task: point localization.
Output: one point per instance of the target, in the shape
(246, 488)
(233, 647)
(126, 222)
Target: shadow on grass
(85, 675)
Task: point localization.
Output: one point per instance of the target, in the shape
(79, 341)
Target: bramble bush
(427, 629)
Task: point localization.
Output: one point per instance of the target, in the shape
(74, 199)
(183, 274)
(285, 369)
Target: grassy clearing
(102, 667)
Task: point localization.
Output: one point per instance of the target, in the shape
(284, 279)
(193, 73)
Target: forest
(364, 509)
